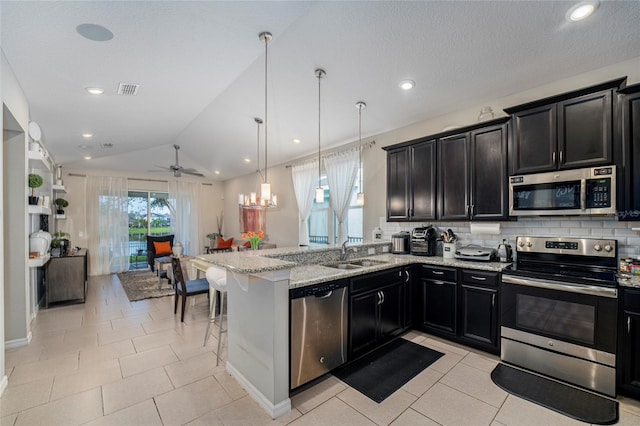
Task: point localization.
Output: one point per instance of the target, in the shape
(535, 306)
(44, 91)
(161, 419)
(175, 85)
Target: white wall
(14, 288)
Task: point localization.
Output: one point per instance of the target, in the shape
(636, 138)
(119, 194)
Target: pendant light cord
(266, 42)
(360, 144)
(320, 73)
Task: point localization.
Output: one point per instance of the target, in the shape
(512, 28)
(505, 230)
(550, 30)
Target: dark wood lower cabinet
(462, 306)
(376, 309)
(66, 278)
(629, 349)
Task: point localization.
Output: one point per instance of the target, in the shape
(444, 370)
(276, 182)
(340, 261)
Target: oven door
(580, 315)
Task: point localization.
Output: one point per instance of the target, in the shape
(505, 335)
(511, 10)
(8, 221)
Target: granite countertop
(315, 272)
(304, 275)
(628, 280)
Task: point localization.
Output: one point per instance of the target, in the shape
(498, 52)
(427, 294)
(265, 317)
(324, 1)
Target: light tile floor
(113, 362)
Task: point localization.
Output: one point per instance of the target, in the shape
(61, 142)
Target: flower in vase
(253, 238)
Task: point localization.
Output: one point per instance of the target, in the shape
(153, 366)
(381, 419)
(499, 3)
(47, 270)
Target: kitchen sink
(355, 264)
(367, 262)
(342, 266)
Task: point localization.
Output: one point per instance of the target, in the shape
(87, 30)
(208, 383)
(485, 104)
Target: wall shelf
(60, 216)
(39, 261)
(38, 160)
(39, 210)
(59, 188)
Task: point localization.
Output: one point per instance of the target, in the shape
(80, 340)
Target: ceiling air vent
(128, 89)
(106, 145)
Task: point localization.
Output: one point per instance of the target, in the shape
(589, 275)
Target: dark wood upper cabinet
(534, 140)
(488, 185)
(398, 181)
(411, 181)
(423, 180)
(453, 178)
(566, 131)
(585, 131)
(629, 180)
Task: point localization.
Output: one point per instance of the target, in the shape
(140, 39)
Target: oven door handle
(553, 285)
(583, 194)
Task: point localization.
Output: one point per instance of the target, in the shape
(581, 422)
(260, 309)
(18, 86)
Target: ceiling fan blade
(163, 167)
(192, 172)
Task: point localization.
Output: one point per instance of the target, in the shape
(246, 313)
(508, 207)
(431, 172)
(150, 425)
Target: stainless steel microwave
(589, 191)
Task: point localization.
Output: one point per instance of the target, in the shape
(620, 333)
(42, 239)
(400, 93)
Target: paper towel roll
(485, 228)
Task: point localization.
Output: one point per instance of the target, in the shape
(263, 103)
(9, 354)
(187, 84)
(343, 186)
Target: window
(323, 223)
(149, 213)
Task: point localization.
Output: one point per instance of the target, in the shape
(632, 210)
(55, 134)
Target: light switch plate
(371, 250)
(385, 249)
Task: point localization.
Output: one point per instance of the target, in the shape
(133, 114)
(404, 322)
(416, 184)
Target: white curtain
(185, 198)
(305, 179)
(107, 224)
(341, 169)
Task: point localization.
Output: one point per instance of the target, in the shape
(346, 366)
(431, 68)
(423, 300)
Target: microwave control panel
(599, 193)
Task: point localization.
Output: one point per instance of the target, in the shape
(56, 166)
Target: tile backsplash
(585, 227)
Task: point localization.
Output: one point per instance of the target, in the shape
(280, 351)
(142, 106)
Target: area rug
(384, 371)
(572, 402)
(139, 285)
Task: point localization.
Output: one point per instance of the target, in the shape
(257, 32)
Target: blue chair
(184, 288)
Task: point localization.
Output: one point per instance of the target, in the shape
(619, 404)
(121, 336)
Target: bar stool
(217, 279)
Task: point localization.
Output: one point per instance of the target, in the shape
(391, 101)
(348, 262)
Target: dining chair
(184, 288)
(217, 279)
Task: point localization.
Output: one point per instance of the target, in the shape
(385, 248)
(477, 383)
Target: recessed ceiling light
(217, 172)
(296, 140)
(87, 157)
(94, 32)
(582, 10)
(247, 160)
(407, 84)
(87, 135)
(94, 90)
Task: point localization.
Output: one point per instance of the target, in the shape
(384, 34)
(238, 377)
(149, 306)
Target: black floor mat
(381, 373)
(575, 403)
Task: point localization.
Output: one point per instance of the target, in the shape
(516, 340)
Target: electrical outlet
(371, 250)
(385, 249)
(80, 234)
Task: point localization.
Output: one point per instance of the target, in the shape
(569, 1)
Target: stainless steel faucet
(344, 251)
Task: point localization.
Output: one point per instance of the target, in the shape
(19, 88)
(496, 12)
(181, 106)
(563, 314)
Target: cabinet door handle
(553, 158)
(478, 278)
(379, 297)
(561, 156)
(436, 282)
(382, 294)
(437, 272)
(493, 300)
(473, 209)
(628, 325)
(407, 276)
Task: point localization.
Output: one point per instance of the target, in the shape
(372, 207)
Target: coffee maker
(423, 241)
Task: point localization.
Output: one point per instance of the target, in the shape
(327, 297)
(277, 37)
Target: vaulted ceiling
(200, 67)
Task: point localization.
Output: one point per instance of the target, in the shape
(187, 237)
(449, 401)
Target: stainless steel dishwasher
(318, 330)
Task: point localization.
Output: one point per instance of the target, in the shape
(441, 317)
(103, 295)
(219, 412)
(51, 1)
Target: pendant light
(360, 195)
(265, 188)
(320, 74)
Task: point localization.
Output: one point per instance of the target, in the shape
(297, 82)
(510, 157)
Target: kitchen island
(258, 284)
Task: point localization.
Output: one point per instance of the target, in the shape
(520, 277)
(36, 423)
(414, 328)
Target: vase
(177, 249)
(486, 113)
(255, 245)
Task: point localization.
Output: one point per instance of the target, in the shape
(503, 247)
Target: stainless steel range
(559, 310)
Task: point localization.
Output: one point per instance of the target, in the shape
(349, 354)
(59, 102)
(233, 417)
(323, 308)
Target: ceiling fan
(177, 169)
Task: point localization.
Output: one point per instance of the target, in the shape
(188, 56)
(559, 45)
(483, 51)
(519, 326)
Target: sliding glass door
(149, 214)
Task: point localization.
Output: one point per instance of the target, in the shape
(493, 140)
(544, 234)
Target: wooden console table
(66, 278)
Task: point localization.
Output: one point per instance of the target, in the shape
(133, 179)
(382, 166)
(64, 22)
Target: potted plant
(213, 239)
(61, 204)
(60, 243)
(35, 181)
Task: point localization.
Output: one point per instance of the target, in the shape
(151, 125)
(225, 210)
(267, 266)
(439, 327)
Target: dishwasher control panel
(319, 289)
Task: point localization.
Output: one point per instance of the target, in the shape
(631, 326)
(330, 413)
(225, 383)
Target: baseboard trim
(17, 343)
(276, 410)
(4, 382)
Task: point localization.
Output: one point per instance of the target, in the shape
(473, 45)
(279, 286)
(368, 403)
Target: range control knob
(529, 244)
(520, 243)
(608, 248)
(597, 247)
